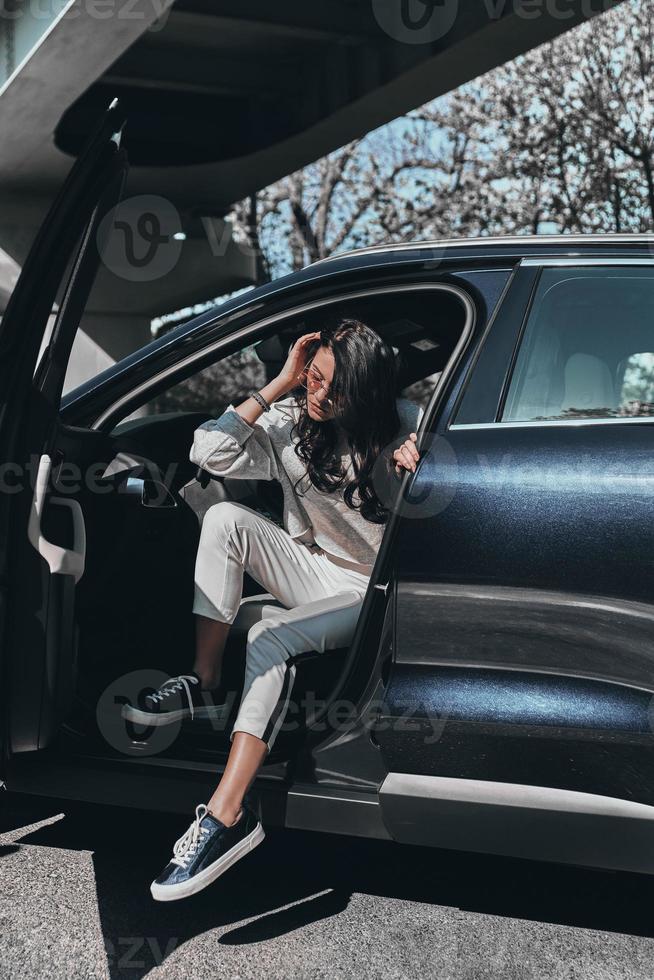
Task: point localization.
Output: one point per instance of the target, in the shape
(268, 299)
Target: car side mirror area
(156, 494)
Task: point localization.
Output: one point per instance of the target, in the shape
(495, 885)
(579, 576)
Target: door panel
(134, 602)
(525, 608)
(529, 647)
(43, 553)
(526, 728)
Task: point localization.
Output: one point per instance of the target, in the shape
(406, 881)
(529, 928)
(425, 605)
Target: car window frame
(539, 264)
(264, 325)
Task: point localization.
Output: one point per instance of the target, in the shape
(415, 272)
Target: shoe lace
(184, 849)
(172, 686)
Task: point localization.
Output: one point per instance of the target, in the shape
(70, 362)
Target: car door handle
(61, 561)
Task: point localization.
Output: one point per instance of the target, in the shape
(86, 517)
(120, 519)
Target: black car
(497, 695)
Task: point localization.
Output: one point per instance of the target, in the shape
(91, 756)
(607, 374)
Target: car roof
(498, 251)
(501, 243)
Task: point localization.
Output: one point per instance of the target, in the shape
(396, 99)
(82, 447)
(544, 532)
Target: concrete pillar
(103, 340)
(205, 264)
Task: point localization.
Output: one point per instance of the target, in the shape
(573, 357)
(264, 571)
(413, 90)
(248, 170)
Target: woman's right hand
(294, 369)
(406, 456)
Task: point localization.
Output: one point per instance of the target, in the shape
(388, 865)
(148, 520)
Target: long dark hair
(363, 393)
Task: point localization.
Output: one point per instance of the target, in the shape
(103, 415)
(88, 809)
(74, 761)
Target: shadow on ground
(295, 878)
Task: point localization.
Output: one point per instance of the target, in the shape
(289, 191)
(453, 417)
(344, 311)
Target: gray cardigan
(229, 446)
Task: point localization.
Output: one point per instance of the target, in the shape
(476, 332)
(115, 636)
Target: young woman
(324, 444)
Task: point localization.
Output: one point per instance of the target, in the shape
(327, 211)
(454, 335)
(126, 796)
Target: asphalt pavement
(75, 903)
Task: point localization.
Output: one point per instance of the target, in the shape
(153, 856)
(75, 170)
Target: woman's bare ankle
(226, 813)
(208, 681)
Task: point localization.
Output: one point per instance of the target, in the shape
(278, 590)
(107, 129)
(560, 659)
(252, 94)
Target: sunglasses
(313, 383)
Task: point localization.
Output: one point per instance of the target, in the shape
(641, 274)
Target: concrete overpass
(224, 97)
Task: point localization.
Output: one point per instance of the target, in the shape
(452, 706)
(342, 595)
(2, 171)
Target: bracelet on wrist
(258, 397)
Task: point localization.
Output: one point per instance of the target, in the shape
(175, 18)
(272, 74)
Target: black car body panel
(522, 727)
(524, 616)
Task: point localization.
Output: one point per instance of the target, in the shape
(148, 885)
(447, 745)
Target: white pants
(322, 602)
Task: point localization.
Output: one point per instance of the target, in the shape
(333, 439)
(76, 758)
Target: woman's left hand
(407, 455)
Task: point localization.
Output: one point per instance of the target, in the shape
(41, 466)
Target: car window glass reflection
(588, 348)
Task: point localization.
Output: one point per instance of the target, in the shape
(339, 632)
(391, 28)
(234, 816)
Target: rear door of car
(43, 532)
(518, 712)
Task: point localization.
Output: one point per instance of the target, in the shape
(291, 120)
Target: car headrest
(587, 384)
(415, 361)
(418, 362)
(271, 350)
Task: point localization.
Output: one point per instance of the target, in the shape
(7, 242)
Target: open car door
(42, 532)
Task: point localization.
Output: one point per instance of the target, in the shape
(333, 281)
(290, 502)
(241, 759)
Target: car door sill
(169, 785)
(536, 822)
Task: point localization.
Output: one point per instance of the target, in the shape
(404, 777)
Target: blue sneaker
(204, 852)
(178, 699)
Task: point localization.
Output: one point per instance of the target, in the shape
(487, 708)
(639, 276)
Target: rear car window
(588, 347)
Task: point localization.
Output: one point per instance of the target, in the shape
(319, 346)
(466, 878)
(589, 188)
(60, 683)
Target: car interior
(133, 603)
(587, 353)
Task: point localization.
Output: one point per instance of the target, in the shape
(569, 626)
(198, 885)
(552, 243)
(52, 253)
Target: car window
(588, 347)
(211, 389)
(231, 380)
